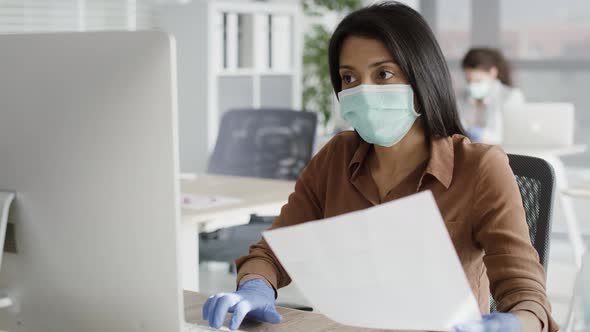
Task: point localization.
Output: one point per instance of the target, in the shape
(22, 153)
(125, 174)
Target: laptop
(88, 143)
(539, 125)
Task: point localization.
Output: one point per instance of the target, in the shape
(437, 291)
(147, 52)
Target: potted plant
(318, 95)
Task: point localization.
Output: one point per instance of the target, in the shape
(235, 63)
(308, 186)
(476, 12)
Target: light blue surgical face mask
(381, 114)
(480, 90)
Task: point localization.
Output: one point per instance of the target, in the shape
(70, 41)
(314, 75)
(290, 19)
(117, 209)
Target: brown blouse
(478, 198)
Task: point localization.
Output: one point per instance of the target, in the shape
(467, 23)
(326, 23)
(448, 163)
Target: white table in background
(578, 192)
(253, 196)
(563, 201)
(549, 151)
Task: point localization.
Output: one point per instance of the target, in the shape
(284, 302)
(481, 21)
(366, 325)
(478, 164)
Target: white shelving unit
(231, 54)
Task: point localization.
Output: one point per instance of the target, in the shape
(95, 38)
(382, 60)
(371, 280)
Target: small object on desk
(199, 202)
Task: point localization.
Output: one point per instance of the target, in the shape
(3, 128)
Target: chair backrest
(536, 182)
(264, 143)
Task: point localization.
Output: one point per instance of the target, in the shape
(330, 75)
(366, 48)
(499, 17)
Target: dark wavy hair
(486, 58)
(411, 43)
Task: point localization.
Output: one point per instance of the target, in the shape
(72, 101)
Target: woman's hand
(475, 134)
(496, 322)
(254, 298)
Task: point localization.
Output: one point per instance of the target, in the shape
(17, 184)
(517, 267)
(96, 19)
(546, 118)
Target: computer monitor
(88, 143)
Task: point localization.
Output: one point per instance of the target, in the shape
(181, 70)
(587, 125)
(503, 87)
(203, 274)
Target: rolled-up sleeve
(304, 204)
(517, 279)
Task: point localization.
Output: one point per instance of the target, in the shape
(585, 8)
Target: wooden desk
(256, 196)
(259, 196)
(293, 320)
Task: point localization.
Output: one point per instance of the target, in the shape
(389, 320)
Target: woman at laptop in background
(395, 90)
(489, 93)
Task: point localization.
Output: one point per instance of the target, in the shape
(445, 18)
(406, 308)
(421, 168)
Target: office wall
(192, 87)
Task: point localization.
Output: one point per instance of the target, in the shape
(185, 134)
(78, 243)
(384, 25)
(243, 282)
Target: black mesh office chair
(536, 182)
(263, 143)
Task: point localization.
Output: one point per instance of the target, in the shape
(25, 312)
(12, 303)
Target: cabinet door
(276, 91)
(235, 92)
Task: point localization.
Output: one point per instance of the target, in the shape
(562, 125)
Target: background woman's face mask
(381, 114)
(481, 89)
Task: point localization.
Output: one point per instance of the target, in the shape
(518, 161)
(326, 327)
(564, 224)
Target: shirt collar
(359, 157)
(440, 164)
(442, 160)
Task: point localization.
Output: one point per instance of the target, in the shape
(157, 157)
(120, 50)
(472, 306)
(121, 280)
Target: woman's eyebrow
(347, 67)
(371, 65)
(375, 64)
(381, 62)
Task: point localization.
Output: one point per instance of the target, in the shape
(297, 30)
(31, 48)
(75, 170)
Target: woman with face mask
(489, 93)
(395, 90)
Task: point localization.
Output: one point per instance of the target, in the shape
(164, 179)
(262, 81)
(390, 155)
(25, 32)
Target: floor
(215, 277)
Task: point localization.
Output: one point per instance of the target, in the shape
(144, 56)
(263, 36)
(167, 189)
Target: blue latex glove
(496, 322)
(254, 298)
(475, 133)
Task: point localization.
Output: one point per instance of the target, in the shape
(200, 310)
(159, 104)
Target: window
(548, 43)
(75, 15)
(454, 27)
(545, 29)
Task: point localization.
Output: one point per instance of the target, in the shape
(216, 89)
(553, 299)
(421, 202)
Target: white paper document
(200, 202)
(392, 266)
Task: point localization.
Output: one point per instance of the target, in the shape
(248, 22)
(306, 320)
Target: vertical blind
(75, 15)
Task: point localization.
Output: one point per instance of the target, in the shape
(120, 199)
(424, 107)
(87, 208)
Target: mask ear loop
(416, 107)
